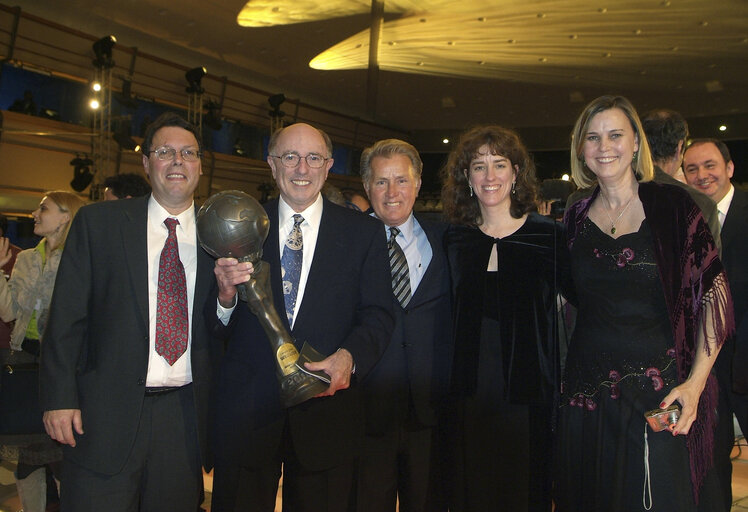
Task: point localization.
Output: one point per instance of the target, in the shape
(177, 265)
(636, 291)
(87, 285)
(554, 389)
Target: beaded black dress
(621, 363)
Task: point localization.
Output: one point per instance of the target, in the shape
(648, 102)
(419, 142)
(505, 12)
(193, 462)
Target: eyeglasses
(313, 160)
(167, 153)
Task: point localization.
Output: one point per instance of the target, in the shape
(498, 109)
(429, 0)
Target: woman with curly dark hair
(507, 264)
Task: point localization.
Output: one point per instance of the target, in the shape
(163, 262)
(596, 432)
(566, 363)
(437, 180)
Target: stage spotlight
(194, 77)
(82, 175)
(94, 104)
(123, 138)
(275, 101)
(96, 86)
(103, 51)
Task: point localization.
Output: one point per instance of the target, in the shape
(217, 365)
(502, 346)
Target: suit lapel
(425, 288)
(204, 280)
(733, 221)
(135, 243)
(329, 241)
(271, 256)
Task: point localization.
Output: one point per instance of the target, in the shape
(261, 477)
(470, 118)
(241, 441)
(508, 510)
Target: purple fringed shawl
(692, 275)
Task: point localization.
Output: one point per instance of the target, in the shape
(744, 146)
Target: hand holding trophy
(232, 224)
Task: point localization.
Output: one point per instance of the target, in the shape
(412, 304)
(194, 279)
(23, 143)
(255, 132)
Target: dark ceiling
(446, 64)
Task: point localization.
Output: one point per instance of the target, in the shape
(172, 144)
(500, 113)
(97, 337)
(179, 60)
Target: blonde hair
(67, 202)
(642, 164)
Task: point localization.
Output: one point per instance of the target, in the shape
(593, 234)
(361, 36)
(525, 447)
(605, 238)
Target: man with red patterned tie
(126, 359)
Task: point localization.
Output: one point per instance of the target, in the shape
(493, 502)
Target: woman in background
(653, 310)
(506, 263)
(25, 299)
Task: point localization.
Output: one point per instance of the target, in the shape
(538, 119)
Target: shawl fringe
(715, 328)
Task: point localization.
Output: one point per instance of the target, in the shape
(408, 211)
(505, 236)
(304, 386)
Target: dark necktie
(293, 253)
(171, 301)
(399, 269)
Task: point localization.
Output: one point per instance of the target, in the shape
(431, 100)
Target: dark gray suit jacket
(95, 348)
(416, 366)
(735, 259)
(346, 304)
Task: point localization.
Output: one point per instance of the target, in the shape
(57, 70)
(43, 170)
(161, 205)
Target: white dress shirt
(309, 231)
(159, 371)
(724, 205)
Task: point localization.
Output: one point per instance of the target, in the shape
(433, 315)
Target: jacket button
(141, 382)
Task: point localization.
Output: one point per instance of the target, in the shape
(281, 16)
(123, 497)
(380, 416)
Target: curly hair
(462, 208)
(642, 165)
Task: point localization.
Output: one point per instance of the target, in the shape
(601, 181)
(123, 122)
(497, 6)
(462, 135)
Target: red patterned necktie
(171, 301)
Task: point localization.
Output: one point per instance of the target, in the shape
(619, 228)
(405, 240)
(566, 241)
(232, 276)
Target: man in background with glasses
(330, 274)
(126, 361)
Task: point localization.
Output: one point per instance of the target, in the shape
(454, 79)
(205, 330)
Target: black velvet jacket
(533, 268)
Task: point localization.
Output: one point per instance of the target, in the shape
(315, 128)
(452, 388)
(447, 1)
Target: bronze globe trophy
(232, 224)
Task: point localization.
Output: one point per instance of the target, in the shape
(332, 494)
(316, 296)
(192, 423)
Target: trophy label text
(287, 356)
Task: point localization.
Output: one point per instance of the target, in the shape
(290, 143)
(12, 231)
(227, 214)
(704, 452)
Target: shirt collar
(312, 214)
(406, 228)
(724, 204)
(157, 214)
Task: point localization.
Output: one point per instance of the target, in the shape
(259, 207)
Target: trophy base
(299, 387)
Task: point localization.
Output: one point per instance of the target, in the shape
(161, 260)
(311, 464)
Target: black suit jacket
(346, 304)
(416, 365)
(95, 348)
(735, 259)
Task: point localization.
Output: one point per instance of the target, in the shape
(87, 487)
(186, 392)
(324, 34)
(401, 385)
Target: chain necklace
(613, 222)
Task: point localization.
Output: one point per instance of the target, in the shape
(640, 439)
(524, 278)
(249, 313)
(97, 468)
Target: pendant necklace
(613, 222)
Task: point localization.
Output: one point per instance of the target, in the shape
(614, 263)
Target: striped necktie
(399, 269)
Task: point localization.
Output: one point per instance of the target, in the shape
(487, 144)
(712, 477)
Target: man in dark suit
(400, 455)
(125, 380)
(338, 301)
(667, 133)
(708, 168)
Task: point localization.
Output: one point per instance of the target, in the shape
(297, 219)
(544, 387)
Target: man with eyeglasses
(126, 362)
(339, 302)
